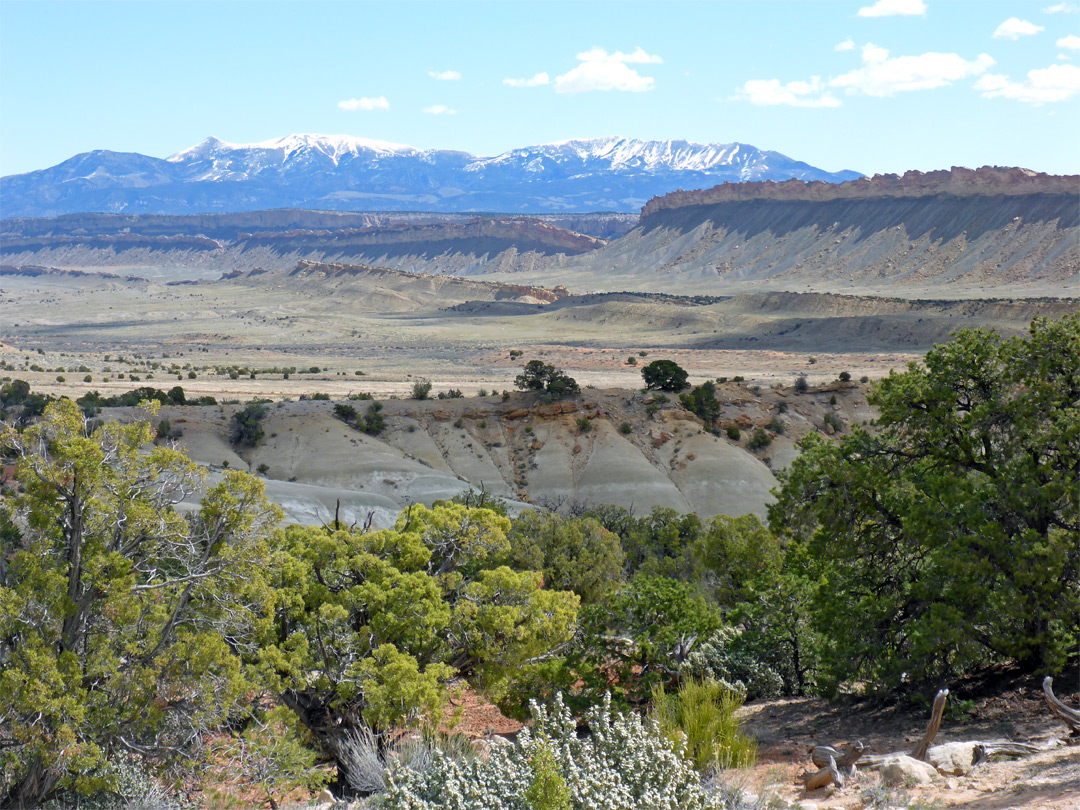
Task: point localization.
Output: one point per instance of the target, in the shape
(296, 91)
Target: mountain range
(346, 173)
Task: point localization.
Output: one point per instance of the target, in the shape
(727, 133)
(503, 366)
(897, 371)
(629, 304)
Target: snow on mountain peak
(333, 146)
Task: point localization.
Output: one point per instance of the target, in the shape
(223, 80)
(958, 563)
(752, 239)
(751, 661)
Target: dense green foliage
(371, 626)
(371, 422)
(949, 537)
(701, 401)
(92, 402)
(247, 427)
(665, 375)
(540, 376)
(120, 620)
(573, 554)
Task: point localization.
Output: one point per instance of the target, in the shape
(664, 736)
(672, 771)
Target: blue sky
(880, 86)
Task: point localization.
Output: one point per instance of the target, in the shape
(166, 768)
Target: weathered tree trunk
(1067, 715)
(919, 751)
(355, 749)
(34, 789)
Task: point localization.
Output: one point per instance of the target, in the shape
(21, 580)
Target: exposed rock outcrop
(958, 181)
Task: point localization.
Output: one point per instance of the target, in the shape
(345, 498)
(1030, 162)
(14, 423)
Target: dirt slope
(609, 447)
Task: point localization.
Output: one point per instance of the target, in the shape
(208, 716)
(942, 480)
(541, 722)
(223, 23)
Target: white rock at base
(952, 758)
(904, 770)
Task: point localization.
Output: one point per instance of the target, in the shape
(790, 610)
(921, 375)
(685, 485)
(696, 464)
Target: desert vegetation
(898, 557)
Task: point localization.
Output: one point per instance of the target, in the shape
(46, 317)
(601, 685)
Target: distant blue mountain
(345, 173)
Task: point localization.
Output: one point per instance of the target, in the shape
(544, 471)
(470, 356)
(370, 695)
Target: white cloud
(639, 57)
(445, 75)
(771, 93)
(438, 109)
(893, 8)
(1055, 83)
(536, 81)
(881, 76)
(1070, 43)
(1060, 8)
(1014, 28)
(379, 103)
(600, 70)
(847, 45)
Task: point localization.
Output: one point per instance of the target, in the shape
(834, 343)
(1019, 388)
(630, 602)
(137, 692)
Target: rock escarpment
(958, 181)
(959, 233)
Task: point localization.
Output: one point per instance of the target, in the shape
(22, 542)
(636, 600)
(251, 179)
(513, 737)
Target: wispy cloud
(1055, 83)
(847, 45)
(536, 81)
(445, 75)
(1060, 8)
(883, 76)
(880, 75)
(365, 103)
(772, 93)
(1014, 28)
(438, 109)
(894, 8)
(1069, 43)
(599, 70)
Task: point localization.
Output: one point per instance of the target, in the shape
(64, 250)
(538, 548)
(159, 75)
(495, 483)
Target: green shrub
(734, 433)
(776, 426)
(625, 429)
(247, 428)
(759, 439)
(373, 420)
(702, 402)
(421, 389)
(548, 789)
(346, 413)
(703, 711)
(844, 376)
(540, 376)
(665, 375)
(801, 385)
(584, 425)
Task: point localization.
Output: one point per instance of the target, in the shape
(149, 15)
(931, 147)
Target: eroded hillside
(631, 449)
(953, 234)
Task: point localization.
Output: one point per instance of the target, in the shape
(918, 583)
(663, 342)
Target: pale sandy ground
(788, 728)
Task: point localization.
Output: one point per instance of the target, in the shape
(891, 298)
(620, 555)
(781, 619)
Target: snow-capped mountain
(347, 173)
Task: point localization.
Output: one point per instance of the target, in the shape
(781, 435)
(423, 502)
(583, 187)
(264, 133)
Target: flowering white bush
(622, 764)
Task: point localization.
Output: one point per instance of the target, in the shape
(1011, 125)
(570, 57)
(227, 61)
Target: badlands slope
(520, 449)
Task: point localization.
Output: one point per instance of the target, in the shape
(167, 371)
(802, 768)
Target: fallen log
(821, 755)
(985, 750)
(1067, 715)
(829, 775)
